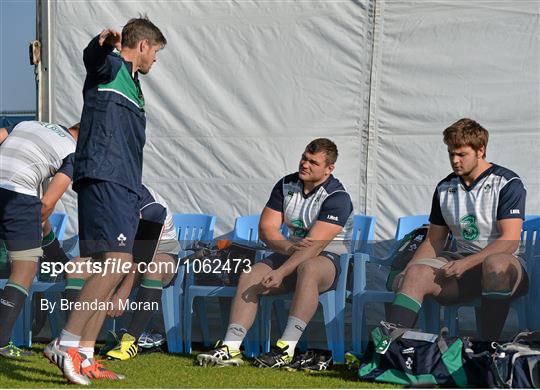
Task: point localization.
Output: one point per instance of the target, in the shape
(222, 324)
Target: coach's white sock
(68, 340)
(234, 337)
(292, 333)
(88, 353)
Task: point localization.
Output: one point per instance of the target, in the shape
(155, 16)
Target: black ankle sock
(141, 318)
(54, 252)
(493, 313)
(11, 304)
(404, 310)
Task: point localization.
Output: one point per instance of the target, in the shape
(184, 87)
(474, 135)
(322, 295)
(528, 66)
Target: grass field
(159, 370)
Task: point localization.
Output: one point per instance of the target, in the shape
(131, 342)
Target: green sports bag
(409, 357)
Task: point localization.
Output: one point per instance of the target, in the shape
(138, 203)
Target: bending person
(24, 168)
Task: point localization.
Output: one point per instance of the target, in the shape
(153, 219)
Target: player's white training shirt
(328, 202)
(471, 213)
(33, 153)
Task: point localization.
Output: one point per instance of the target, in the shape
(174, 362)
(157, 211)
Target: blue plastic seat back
(530, 236)
(194, 227)
(363, 233)
(246, 229)
(408, 223)
(58, 223)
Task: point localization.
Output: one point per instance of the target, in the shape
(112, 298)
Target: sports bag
(406, 248)
(220, 264)
(409, 357)
(517, 364)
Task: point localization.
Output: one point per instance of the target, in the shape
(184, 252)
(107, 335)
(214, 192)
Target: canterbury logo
(7, 303)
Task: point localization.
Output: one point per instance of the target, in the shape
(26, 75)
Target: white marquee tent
(243, 86)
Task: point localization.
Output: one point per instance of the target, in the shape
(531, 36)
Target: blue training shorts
(108, 217)
(20, 220)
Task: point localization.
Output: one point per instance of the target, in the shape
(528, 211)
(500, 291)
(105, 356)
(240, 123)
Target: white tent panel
(437, 62)
(235, 96)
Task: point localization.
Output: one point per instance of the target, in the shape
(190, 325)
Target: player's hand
(116, 311)
(272, 279)
(455, 268)
(110, 37)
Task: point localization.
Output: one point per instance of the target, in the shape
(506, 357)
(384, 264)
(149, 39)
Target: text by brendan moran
(123, 304)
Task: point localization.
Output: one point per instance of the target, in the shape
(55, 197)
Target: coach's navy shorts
(275, 260)
(108, 217)
(20, 220)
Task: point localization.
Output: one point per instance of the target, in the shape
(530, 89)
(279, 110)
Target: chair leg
(431, 311)
(329, 314)
(17, 335)
(225, 311)
(451, 320)
(252, 340)
(27, 327)
(200, 310)
(54, 317)
(358, 325)
(171, 320)
(266, 322)
(188, 311)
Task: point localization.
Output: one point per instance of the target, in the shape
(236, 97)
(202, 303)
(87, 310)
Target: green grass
(159, 370)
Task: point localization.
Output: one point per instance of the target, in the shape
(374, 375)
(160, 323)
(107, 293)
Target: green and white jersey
(328, 202)
(33, 153)
(471, 213)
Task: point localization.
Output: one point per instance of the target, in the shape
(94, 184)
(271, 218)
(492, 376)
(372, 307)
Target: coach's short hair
(138, 29)
(326, 146)
(466, 132)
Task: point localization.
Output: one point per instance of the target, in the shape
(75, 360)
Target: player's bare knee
(420, 276)
(254, 276)
(498, 264)
(498, 273)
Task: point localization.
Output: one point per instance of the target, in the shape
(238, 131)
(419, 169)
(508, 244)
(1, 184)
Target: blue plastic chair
(245, 231)
(527, 316)
(190, 228)
(531, 243)
(333, 301)
(361, 295)
(22, 331)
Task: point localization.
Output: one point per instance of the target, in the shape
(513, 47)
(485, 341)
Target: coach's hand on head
(111, 37)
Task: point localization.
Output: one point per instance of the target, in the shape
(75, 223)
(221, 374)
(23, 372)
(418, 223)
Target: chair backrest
(408, 223)
(246, 229)
(58, 223)
(531, 216)
(530, 237)
(194, 227)
(363, 233)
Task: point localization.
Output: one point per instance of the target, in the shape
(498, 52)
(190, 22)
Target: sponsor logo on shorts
(332, 218)
(515, 211)
(121, 239)
(408, 351)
